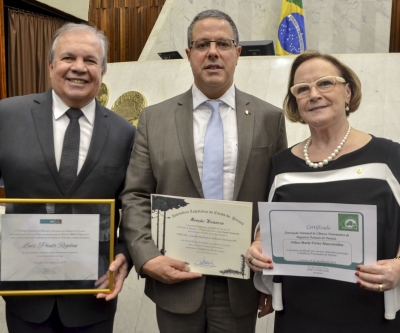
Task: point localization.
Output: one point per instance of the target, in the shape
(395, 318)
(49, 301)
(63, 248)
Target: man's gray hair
(212, 13)
(83, 27)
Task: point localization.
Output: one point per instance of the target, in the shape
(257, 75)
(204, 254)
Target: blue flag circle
(291, 33)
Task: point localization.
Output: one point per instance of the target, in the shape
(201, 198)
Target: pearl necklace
(329, 158)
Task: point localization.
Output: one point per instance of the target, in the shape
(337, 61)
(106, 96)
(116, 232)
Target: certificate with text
(41, 247)
(318, 239)
(211, 236)
(56, 246)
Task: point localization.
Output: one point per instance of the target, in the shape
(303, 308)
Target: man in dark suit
(33, 135)
(169, 157)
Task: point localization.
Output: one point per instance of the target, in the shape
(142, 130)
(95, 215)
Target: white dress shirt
(61, 122)
(201, 115)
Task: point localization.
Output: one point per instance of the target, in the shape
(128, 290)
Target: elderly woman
(362, 169)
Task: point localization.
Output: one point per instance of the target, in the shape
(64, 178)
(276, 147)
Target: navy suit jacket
(28, 167)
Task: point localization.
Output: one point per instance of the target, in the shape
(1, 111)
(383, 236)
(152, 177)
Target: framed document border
(110, 288)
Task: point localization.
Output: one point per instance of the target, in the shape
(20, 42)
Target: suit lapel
(42, 115)
(99, 138)
(245, 128)
(43, 120)
(184, 128)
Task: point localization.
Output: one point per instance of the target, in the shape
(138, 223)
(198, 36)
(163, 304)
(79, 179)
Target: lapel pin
(247, 112)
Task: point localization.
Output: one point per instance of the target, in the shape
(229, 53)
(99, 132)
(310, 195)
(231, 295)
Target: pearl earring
(347, 109)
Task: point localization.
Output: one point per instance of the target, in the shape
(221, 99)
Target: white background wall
(332, 26)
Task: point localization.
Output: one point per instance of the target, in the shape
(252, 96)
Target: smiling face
(213, 70)
(76, 72)
(326, 109)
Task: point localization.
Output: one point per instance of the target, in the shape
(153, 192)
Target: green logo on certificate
(348, 222)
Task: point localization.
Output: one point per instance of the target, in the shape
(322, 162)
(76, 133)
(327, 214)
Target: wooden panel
(126, 23)
(395, 27)
(3, 77)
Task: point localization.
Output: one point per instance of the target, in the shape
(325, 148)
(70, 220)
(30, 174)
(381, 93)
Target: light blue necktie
(213, 160)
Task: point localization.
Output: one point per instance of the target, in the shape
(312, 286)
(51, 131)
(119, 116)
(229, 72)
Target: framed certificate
(55, 247)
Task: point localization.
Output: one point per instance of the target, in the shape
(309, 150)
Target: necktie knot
(74, 113)
(213, 105)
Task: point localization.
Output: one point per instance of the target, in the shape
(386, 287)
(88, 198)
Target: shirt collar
(59, 108)
(228, 98)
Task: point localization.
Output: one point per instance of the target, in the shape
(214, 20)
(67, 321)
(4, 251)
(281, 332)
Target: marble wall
(266, 78)
(348, 26)
(332, 26)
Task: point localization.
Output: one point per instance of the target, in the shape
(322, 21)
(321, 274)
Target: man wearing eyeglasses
(178, 143)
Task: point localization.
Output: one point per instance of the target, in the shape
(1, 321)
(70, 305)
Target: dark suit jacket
(163, 162)
(28, 167)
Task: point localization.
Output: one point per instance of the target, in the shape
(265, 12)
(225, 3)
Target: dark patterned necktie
(70, 151)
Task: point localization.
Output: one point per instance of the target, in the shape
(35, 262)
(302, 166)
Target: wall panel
(3, 78)
(126, 23)
(395, 27)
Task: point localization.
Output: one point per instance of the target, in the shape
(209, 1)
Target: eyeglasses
(324, 84)
(222, 44)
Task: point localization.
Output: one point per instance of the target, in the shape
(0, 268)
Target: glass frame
(314, 84)
(209, 43)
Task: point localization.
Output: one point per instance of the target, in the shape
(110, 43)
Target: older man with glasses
(212, 142)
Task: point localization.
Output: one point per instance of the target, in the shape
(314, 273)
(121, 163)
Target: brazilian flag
(291, 32)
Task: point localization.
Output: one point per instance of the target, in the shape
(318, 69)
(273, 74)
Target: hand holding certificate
(320, 240)
(209, 235)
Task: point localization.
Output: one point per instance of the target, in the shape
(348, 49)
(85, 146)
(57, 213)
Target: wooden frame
(30, 5)
(395, 27)
(127, 25)
(3, 77)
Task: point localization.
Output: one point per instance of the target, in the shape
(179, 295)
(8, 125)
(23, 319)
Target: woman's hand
(255, 259)
(385, 275)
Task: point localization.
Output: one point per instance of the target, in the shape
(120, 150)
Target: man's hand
(168, 270)
(120, 268)
(265, 305)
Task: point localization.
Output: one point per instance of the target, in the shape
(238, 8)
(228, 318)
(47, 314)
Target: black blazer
(28, 167)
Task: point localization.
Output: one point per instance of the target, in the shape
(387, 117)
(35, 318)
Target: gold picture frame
(59, 287)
